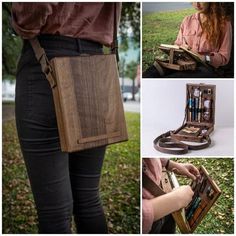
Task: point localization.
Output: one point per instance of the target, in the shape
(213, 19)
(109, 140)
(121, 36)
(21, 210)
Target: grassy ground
(161, 27)
(220, 218)
(119, 189)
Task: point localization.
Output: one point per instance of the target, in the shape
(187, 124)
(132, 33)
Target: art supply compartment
(206, 192)
(199, 113)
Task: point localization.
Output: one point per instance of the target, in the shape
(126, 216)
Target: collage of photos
(118, 117)
(187, 110)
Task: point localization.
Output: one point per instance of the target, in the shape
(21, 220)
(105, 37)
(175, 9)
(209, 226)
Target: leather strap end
(51, 80)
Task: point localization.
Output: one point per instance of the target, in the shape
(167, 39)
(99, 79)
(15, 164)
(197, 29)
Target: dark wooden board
(90, 112)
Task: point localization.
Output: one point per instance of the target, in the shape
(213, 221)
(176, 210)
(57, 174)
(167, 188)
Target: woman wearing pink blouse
(207, 32)
(156, 211)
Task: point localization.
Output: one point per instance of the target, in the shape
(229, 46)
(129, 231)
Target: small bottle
(207, 110)
(190, 106)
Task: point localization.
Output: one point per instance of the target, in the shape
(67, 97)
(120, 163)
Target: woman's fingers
(190, 175)
(194, 170)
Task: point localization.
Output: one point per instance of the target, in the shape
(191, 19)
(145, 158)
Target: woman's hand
(188, 170)
(183, 195)
(171, 202)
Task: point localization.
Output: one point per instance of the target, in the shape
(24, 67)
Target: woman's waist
(59, 42)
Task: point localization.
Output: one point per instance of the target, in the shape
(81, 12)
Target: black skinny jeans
(62, 184)
(166, 225)
(200, 72)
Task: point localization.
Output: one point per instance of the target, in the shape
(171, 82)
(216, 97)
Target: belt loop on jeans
(79, 46)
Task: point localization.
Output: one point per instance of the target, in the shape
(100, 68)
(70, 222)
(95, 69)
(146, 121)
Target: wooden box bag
(87, 98)
(178, 59)
(197, 125)
(200, 113)
(206, 193)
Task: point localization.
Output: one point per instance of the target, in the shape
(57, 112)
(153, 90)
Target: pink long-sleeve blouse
(191, 33)
(85, 20)
(153, 168)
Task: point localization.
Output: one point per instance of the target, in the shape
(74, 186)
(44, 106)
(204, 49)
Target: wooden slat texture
(91, 105)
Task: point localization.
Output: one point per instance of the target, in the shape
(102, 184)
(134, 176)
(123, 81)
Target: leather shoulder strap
(151, 186)
(164, 143)
(41, 56)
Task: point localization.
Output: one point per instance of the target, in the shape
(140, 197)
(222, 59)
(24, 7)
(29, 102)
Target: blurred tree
(122, 72)
(11, 44)
(129, 33)
(131, 72)
(130, 25)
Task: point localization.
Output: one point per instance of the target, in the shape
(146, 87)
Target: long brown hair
(214, 24)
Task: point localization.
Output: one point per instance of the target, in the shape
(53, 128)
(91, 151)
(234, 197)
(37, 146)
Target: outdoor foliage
(158, 28)
(220, 218)
(119, 185)
(121, 181)
(130, 18)
(11, 44)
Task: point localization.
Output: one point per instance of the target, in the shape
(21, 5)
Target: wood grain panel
(91, 108)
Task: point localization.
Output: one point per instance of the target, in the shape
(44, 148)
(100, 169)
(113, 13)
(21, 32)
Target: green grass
(220, 218)
(161, 27)
(8, 103)
(120, 191)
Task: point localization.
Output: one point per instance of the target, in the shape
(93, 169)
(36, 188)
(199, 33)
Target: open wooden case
(200, 113)
(206, 192)
(178, 59)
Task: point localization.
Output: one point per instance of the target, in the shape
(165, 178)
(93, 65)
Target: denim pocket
(34, 98)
